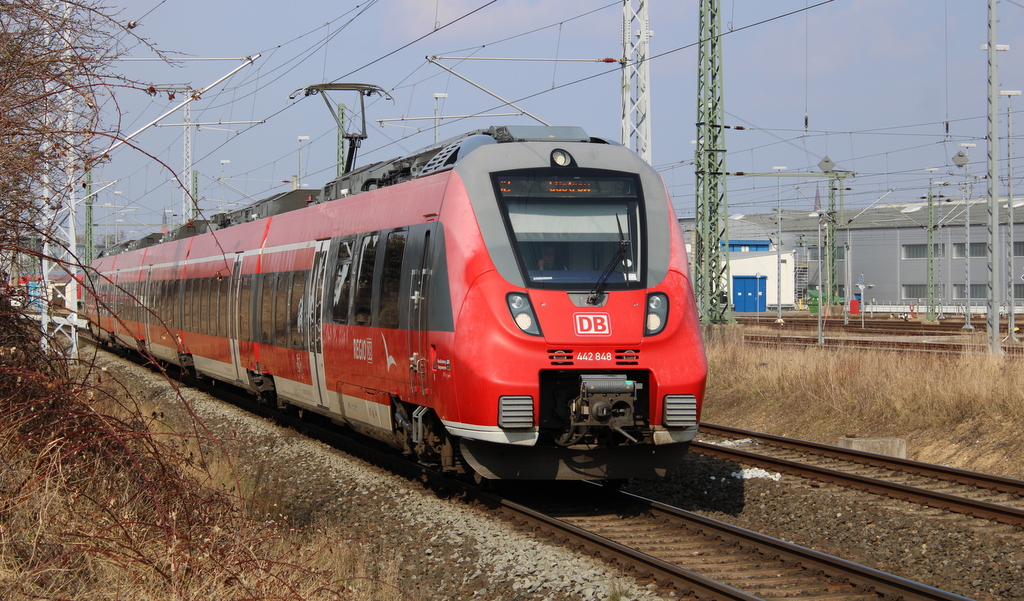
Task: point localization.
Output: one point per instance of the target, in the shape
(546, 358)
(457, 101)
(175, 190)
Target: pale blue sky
(877, 80)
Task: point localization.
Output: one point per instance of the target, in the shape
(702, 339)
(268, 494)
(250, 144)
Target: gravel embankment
(448, 550)
(445, 548)
(973, 558)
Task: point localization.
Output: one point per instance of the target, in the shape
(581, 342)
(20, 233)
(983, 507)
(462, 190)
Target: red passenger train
(514, 302)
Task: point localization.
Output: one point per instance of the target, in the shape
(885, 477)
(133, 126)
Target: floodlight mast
(962, 160)
(1011, 325)
(364, 89)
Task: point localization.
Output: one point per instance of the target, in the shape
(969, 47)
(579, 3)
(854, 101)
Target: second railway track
(971, 493)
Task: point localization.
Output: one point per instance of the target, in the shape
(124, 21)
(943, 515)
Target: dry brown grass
(965, 410)
(96, 504)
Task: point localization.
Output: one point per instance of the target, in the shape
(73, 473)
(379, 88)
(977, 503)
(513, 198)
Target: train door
(119, 328)
(314, 318)
(419, 298)
(233, 324)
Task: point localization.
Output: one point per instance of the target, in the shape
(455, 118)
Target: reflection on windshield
(568, 238)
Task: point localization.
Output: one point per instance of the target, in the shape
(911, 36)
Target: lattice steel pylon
(636, 100)
(711, 234)
(59, 328)
(188, 201)
(59, 264)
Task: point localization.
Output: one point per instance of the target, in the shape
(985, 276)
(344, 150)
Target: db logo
(592, 324)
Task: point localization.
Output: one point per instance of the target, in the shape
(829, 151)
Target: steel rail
(893, 326)
(875, 344)
(890, 585)
(662, 571)
(903, 492)
(917, 468)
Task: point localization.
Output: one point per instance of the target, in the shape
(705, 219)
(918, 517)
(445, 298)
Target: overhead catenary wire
(267, 76)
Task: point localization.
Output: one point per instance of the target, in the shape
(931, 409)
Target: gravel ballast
(450, 550)
(973, 558)
(446, 549)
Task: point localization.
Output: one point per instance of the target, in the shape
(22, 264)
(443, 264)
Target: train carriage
(514, 302)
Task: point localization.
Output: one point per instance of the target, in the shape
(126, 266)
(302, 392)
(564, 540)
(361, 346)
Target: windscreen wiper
(602, 282)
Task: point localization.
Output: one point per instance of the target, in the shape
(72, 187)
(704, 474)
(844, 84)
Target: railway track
(891, 344)
(703, 557)
(975, 494)
(693, 556)
(871, 326)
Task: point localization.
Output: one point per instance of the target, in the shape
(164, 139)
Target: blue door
(748, 293)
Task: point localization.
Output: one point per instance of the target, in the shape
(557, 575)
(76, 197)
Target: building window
(1018, 249)
(920, 251)
(977, 291)
(920, 291)
(977, 249)
(812, 253)
(913, 291)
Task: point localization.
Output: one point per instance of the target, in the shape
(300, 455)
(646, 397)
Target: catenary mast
(636, 99)
(710, 239)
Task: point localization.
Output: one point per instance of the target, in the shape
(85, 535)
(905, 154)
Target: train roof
(433, 159)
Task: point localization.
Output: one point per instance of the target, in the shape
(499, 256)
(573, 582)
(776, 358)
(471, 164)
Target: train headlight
(560, 158)
(657, 313)
(522, 313)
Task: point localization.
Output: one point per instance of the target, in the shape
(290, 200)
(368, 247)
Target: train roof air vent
(538, 133)
(451, 153)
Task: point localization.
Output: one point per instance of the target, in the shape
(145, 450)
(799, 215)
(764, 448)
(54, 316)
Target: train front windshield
(574, 229)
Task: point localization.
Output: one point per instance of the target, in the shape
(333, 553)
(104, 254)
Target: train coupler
(606, 400)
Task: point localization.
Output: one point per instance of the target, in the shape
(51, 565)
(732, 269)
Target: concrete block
(893, 447)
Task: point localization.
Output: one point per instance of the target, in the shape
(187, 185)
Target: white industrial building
(883, 249)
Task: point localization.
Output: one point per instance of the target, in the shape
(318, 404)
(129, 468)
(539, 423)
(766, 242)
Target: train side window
(160, 303)
(203, 310)
(390, 280)
(245, 309)
(188, 305)
(210, 294)
(133, 301)
(197, 306)
(225, 287)
(208, 305)
(125, 305)
(340, 291)
(364, 287)
(136, 292)
(281, 321)
(156, 288)
(116, 298)
(196, 302)
(130, 304)
(166, 304)
(267, 308)
(189, 308)
(297, 315)
(214, 310)
(174, 291)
